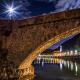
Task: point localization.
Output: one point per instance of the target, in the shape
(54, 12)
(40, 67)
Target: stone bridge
(26, 39)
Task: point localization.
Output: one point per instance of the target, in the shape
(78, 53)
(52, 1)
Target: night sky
(29, 8)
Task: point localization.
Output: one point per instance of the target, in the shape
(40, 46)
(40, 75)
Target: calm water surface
(56, 69)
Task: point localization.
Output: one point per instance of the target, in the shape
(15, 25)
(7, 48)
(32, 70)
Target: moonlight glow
(12, 11)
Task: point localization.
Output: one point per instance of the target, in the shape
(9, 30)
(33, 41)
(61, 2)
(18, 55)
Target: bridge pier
(26, 73)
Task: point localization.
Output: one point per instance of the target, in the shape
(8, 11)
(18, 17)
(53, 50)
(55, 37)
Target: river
(56, 69)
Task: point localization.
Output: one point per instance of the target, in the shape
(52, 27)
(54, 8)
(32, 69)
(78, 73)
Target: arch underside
(28, 61)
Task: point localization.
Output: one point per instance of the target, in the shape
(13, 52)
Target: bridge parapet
(42, 19)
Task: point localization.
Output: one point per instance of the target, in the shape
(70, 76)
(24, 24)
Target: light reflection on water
(64, 69)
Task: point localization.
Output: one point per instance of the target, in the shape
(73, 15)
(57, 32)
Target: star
(11, 10)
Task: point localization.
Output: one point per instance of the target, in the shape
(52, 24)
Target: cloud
(62, 5)
(46, 0)
(67, 5)
(24, 11)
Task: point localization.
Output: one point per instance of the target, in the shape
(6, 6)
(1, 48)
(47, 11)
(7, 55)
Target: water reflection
(64, 69)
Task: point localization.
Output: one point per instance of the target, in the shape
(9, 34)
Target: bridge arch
(28, 61)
